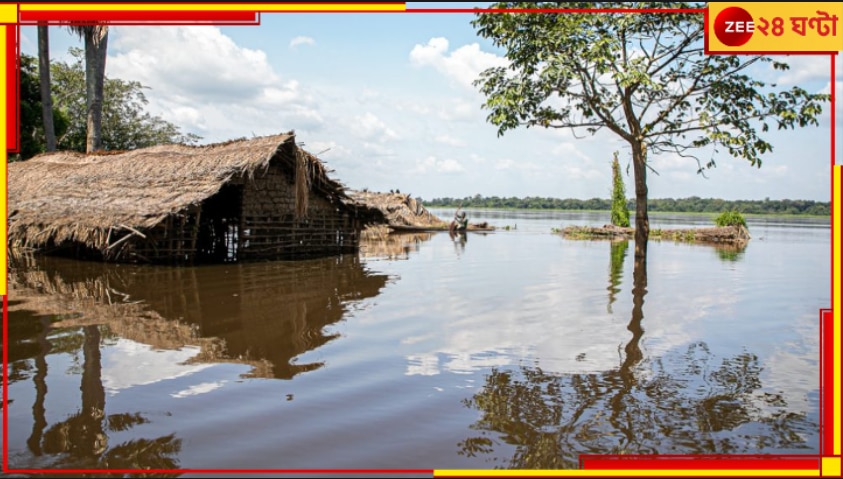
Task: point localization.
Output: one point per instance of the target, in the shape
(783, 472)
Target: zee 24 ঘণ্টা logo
(735, 26)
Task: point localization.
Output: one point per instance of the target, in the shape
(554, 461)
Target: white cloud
(780, 170)
(301, 40)
(209, 85)
(196, 62)
(377, 149)
(327, 149)
(474, 157)
(673, 162)
(367, 95)
(449, 140)
(433, 164)
(419, 109)
(281, 94)
(838, 103)
(576, 172)
(569, 150)
(463, 64)
(370, 127)
(458, 110)
(804, 68)
(504, 164)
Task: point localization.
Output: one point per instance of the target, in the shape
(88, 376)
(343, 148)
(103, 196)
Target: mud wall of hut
(249, 219)
(270, 229)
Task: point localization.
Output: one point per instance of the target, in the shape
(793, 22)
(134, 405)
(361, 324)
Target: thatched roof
(70, 196)
(398, 209)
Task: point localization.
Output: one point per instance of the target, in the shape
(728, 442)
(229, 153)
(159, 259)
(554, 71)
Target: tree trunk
(642, 221)
(95, 52)
(46, 96)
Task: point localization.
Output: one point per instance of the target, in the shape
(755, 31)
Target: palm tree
(46, 97)
(96, 44)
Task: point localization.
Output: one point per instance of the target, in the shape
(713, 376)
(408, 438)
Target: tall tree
(126, 124)
(32, 140)
(620, 212)
(96, 45)
(642, 76)
(44, 81)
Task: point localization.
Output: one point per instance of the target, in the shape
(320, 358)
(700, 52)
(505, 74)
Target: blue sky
(387, 99)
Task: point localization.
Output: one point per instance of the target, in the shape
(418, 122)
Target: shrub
(730, 218)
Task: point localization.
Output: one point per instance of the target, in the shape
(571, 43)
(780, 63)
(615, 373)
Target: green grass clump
(730, 218)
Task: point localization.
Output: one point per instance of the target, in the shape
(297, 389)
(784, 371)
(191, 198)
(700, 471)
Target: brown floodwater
(516, 349)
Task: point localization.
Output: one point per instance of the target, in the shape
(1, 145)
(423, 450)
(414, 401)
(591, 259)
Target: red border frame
(605, 462)
(128, 17)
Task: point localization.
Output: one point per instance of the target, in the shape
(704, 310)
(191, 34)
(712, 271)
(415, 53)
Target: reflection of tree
(683, 403)
(730, 252)
(137, 455)
(38, 410)
(81, 441)
(617, 255)
(639, 290)
(702, 409)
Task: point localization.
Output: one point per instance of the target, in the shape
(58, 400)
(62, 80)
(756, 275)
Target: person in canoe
(460, 221)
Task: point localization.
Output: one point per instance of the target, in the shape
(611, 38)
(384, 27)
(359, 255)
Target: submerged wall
(270, 229)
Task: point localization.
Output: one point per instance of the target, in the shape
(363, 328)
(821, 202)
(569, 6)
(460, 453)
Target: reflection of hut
(263, 314)
(377, 242)
(262, 198)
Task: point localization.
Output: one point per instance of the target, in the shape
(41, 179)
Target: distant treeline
(693, 204)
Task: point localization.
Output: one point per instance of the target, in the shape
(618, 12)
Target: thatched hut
(251, 199)
(399, 210)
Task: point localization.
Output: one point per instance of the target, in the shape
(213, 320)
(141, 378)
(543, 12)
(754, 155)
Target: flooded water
(514, 349)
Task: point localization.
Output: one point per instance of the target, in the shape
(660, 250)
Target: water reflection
(459, 238)
(121, 326)
(81, 440)
(729, 252)
(264, 314)
(392, 245)
(520, 319)
(617, 256)
(685, 402)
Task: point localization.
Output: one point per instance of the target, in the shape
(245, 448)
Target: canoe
(426, 229)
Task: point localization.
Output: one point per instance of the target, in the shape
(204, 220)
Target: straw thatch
(398, 209)
(101, 200)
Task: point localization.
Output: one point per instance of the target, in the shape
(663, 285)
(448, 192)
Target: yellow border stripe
(4, 149)
(231, 7)
(836, 173)
(831, 466)
(627, 473)
(8, 13)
